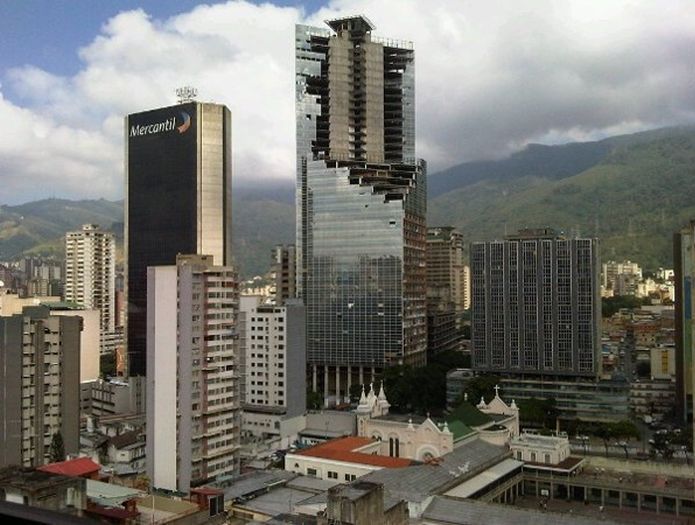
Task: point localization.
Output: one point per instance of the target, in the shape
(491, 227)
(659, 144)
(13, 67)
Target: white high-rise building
(193, 401)
(273, 349)
(90, 273)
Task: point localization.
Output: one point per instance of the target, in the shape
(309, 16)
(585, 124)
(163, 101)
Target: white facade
(613, 269)
(89, 342)
(466, 286)
(273, 348)
(192, 372)
(12, 304)
(663, 362)
(266, 354)
(534, 448)
(90, 272)
(327, 469)
(341, 460)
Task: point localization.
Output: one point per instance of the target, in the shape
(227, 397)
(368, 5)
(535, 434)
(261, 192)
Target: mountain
(633, 195)
(259, 223)
(538, 160)
(632, 191)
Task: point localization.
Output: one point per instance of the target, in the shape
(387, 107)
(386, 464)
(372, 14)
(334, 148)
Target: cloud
(491, 77)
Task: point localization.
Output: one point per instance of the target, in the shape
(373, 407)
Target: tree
(481, 386)
(611, 305)
(538, 412)
(355, 393)
(604, 432)
(107, 364)
(57, 449)
(624, 430)
(643, 369)
(314, 400)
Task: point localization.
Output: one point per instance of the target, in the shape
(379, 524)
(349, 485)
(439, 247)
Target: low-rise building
(653, 397)
(532, 447)
(342, 459)
(602, 400)
(362, 502)
(111, 397)
(45, 490)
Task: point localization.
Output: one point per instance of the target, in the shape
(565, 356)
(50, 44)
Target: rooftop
(345, 449)
(418, 482)
(110, 495)
(469, 415)
(280, 500)
(568, 464)
(540, 441)
(471, 512)
(356, 22)
(77, 467)
(255, 483)
(127, 438)
(31, 480)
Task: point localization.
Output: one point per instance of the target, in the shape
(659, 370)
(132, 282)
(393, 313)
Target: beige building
(12, 304)
(534, 448)
(193, 405)
(448, 278)
(89, 340)
(663, 362)
(40, 378)
(342, 459)
(90, 272)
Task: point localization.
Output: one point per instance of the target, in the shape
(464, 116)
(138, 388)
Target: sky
(491, 77)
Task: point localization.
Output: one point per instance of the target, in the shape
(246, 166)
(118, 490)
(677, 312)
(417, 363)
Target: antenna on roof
(186, 94)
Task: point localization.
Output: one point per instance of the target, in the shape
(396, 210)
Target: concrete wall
(414, 443)
(295, 360)
(302, 464)
(89, 341)
(12, 304)
(10, 390)
(70, 361)
(161, 377)
(642, 467)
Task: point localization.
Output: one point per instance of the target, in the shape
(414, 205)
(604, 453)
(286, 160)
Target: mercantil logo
(165, 125)
(186, 122)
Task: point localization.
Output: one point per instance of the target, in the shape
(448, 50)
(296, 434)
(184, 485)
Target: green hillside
(632, 191)
(633, 200)
(38, 227)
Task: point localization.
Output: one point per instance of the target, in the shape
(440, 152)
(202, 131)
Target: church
(425, 438)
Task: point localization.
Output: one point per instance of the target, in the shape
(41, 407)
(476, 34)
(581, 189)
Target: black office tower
(178, 200)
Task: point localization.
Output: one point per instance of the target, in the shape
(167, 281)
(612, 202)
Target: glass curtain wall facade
(536, 305)
(361, 201)
(684, 268)
(178, 200)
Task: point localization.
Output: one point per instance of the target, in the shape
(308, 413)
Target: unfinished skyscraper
(361, 204)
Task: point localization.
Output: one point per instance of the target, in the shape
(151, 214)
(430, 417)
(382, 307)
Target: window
(311, 472)
(332, 475)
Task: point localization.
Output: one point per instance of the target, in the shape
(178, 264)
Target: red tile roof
(73, 467)
(343, 449)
